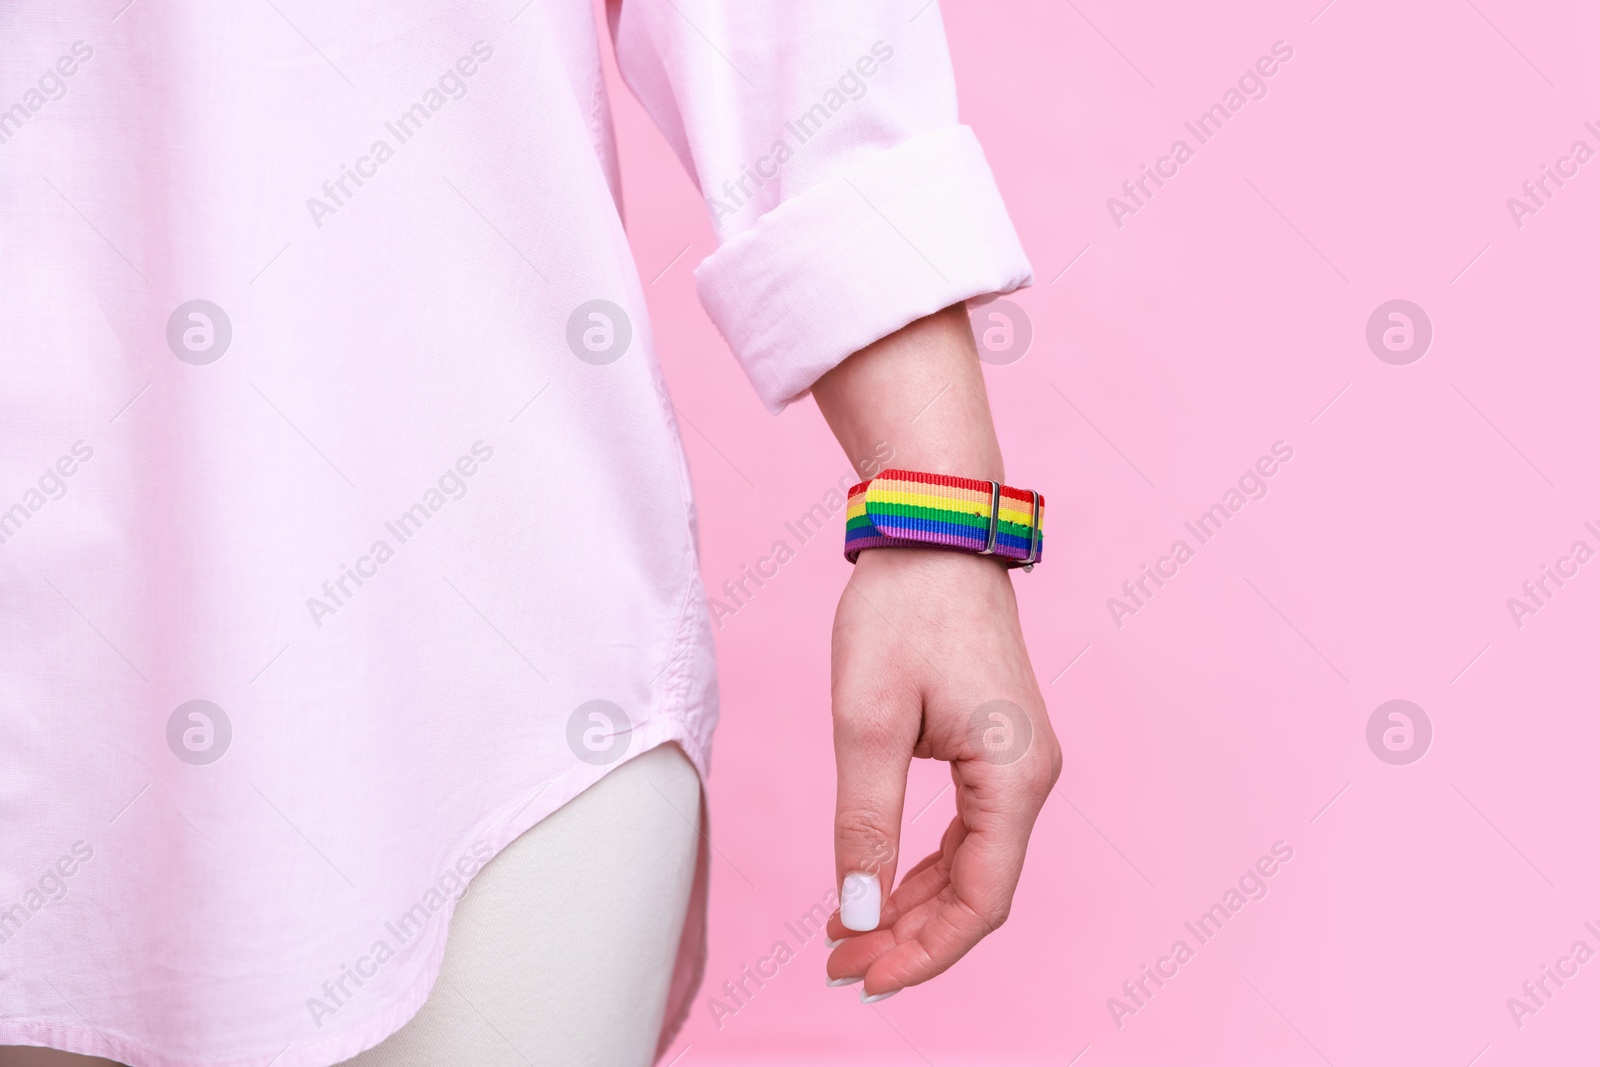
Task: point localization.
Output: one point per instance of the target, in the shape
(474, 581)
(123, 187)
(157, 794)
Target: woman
(349, 553)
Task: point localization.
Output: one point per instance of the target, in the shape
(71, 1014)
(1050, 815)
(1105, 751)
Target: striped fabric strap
(905, 509)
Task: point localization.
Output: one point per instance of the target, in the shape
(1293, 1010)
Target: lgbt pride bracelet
(907, 509)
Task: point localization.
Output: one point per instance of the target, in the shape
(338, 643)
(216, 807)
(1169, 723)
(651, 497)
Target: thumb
(872, 741)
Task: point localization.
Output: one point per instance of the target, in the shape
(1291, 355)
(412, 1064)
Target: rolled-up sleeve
(847, 198)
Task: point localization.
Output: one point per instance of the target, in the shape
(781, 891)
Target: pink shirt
(344, 528)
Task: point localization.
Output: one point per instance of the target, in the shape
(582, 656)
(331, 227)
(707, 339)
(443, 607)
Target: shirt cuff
(911, 230)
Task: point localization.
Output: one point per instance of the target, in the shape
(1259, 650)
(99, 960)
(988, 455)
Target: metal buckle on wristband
(1033, 531)
(994, 518)
(994, 528)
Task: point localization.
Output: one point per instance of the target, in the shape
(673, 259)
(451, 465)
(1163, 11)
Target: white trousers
(561, 951)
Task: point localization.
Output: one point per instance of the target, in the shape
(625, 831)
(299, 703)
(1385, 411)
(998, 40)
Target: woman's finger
(997, 805)
(917, 885)
(875, 727)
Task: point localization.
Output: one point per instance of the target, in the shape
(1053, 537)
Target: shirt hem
(497, 830)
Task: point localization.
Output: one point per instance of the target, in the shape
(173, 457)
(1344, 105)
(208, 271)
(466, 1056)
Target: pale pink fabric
(178, 530)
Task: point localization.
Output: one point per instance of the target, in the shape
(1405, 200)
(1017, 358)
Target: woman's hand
(929, 662)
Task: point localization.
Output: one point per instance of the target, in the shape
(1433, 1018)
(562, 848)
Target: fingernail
(880, 996)
(834, 983)
(858, 909)
(830, 942)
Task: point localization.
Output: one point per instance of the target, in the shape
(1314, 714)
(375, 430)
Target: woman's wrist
(940, 567)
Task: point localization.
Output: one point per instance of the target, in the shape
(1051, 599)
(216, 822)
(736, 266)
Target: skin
(921, 638)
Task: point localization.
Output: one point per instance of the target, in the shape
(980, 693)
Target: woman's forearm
(920, 390)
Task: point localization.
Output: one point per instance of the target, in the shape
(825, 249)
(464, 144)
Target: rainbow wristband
(907, 509)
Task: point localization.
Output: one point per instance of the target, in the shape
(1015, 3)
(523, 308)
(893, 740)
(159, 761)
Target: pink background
(1225, 716)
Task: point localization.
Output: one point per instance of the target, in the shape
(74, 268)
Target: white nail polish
(859, 903)
(834, 983)
(874, 999)
(830, 942)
